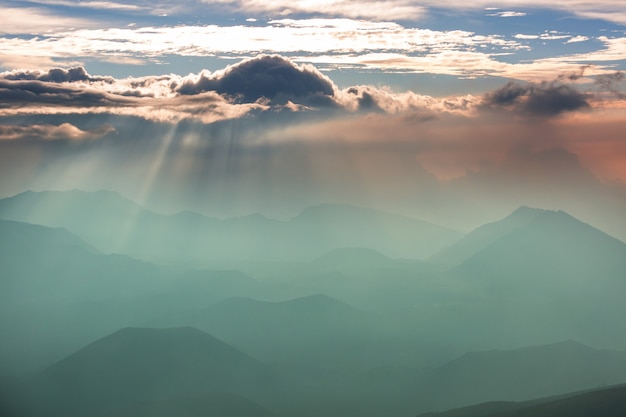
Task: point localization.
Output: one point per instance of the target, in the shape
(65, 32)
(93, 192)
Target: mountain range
(606, 402)
(138, 366)
(114, 224)
(333, 315)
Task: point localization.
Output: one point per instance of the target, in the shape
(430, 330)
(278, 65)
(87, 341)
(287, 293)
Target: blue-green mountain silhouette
(55, 290)
(315, 334)
(213, 404)
(135, 366)
(522, 374)
(114, 224)
(542, 275)
(607, 402)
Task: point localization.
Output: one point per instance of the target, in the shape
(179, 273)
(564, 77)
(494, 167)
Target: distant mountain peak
(526, 224)
(525, 210)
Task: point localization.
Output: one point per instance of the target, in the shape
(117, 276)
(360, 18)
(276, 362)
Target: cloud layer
(345, 42)
(271, 83)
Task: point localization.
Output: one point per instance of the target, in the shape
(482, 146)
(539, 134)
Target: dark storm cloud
(257, 84)
(271, 77)
(365, 100)
(552, 100)
(56, 75)
(543, 100)
(611, 82)
(267, 83)
(506, 95)
(28, 93)
(574, 76)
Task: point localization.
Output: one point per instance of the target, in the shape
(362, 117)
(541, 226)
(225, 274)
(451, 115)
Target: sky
(453, 111)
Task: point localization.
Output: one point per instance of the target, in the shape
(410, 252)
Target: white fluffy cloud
(386, 46)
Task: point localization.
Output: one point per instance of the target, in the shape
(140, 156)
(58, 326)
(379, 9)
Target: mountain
(552, 242)
(51, 279)
(134, 366)
(40, 261)
(544, 275)
(114, 224)
(496, 375)
(30, 250)
(521, 374)
(354, 259)
(314, 334)
(213, 404)
(110, 222)
(485, 235)
(367, 279)
(393, 235)
(553, 233)
(606, 402)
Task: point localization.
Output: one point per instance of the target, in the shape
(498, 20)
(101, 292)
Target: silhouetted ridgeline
(114, 224)
(341, 311)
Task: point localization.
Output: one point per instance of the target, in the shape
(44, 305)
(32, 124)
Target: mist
(257, 241)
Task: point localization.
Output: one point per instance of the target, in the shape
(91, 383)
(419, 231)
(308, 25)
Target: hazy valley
(110, 309)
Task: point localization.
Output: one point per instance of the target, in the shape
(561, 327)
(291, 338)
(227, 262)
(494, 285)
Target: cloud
(15, 94)
(64, 131)
(74, 91)
(266, 77)
(366, 9)
(109, 5)
(267, 82)
(578, 38)
(610, 10)
(507, 14)
(543, 100)
(30, 20)
(546, 36)
(369, 98)
(611, 82)
(325, 42)
(57, 75)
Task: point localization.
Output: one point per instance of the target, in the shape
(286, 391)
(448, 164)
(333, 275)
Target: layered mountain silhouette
(213, 404)
(315, 334)
(522, 374)
(368, 279)
(547, 236)
(495, 376)
(134, 367)
(60, 293)
(536, 275)
(542, 242)
(485, 235)
(44, 262)
(326, 314)
(607, 402)
(114, 224)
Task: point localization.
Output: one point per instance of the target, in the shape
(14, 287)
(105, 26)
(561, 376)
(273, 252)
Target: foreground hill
(114, 224)
(134, 366)
(213, 404)
(495, 375)
(607, 402)
(522, 374)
